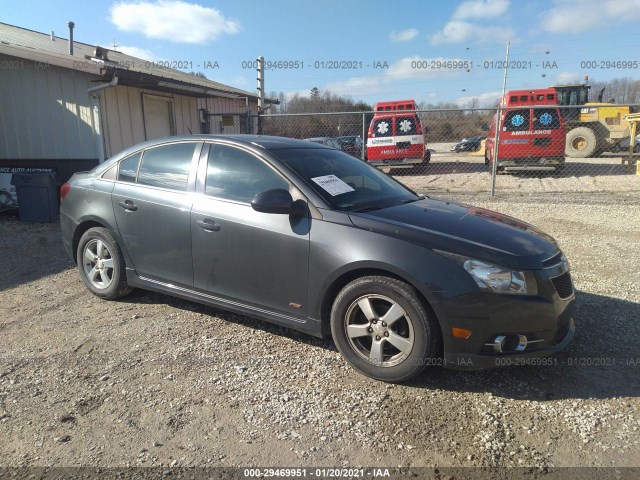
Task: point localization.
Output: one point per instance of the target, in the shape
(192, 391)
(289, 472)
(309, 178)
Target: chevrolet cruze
(308, 237)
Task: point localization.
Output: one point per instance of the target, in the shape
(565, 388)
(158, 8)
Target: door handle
(128, 205)
(208, 225)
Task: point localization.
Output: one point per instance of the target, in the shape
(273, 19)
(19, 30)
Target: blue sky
(553, 41)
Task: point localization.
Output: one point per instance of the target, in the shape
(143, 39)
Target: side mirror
(485, 127)
(277, 200)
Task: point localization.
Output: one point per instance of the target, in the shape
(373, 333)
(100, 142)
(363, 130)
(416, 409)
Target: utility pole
(494, 169)
(260, 92)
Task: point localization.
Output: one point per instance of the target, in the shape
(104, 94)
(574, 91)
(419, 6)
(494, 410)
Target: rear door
(380, 142)
(254, 258)
(548, 137)
(515, 141)
(152, 200)
(409, 139)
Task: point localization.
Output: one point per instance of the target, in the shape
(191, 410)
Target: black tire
(371, 346)
(581, 143)
(427, 157)
(99, 253)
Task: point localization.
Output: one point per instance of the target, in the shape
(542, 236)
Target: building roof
(54, 50)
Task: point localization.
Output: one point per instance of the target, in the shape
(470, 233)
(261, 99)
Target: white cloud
(404, 35)
(240, 80)
(173, 20)
(485, 100)
(457, 32)
(426, 68)
(138, 53)
(574, 16)
(358, 86)
(568, 77)
(480, 9)
(407, 68)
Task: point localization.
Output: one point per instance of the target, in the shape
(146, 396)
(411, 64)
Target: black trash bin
(37, 197)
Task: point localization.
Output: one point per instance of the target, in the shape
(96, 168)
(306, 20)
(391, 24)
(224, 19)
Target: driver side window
(233, 174)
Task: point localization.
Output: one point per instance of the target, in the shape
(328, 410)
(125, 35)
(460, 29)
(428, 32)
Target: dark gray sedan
(309, 237)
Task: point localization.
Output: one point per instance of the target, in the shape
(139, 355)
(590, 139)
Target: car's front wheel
(101, 264)
(382, 328)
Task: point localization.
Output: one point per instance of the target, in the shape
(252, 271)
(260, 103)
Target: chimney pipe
(53, 36)
(71, 25)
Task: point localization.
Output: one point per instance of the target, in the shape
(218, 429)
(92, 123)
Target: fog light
(460, 333)
(509, 343)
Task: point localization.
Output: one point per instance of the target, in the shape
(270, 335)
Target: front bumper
(545, 323)
(466, 361)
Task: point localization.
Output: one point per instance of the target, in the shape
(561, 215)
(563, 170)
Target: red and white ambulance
(396, 136)
(532, 132)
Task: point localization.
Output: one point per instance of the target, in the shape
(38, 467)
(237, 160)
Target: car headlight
(497, 279)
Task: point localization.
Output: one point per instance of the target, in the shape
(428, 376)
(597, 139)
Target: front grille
(563, 285)
(557, 258)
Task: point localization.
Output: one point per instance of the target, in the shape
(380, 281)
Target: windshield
(343, 181)
(573, 95)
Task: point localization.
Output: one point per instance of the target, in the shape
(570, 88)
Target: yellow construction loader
(592, 127)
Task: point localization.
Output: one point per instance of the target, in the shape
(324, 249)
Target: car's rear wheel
(101, 265)
(383, 329)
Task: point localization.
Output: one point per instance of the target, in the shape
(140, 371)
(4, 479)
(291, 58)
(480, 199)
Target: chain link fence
(513, 149)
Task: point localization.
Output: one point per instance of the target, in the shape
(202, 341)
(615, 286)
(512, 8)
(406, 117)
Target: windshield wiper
(411, 200)
(367, 208)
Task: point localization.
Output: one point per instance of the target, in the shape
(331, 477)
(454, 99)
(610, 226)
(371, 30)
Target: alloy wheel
(98, 264)
(379, 330)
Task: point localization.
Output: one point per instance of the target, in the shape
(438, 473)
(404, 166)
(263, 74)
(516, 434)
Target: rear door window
(383, 127)
(516, 121)
(546, 119)
(406, 125)
(167, 166)
(111, 173)
(128, 168)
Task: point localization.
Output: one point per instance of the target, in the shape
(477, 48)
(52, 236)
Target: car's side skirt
(309, 326)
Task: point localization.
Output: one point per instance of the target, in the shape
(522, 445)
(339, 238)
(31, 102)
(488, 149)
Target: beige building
(67, 105)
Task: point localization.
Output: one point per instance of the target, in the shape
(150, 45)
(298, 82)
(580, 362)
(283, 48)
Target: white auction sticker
(333, 185)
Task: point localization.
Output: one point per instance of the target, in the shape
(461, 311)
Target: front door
(242, 255)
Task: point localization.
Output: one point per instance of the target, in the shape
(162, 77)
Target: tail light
(64, 189)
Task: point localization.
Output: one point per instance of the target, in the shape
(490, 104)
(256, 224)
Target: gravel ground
(155, 381)
(450, 173)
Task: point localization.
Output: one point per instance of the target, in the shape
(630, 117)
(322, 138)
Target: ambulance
(396, 136)
(532, 132)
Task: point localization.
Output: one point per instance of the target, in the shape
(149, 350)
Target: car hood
(463, 230)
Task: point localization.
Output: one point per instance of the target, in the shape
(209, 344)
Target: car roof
(267, 142)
